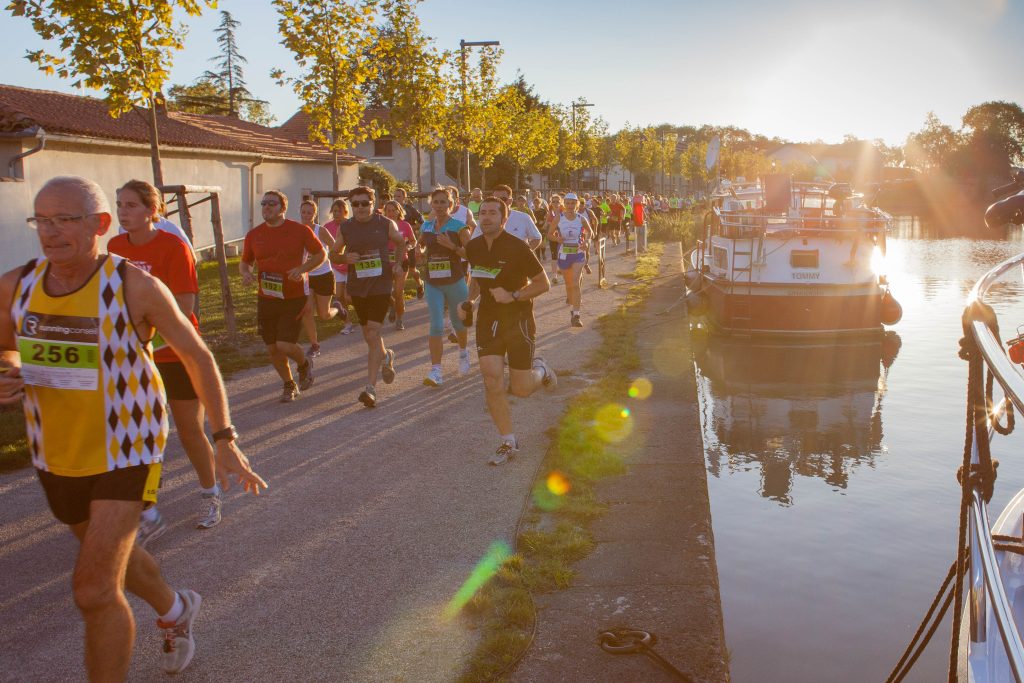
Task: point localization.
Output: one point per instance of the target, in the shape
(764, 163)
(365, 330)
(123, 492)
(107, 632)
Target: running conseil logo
(30, 326)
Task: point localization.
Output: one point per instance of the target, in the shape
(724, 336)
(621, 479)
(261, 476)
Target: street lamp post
(463, 44)
(575, 106)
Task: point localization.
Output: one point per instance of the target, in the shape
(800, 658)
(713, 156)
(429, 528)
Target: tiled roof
(297, 126)
(22, 108)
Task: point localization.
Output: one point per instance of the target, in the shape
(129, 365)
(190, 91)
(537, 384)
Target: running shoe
(550, 380)
(453, 338)
(179, 645)
(289, 392)
(464, 364)
(306, 375)
(391, 314)
(348, 329)
(368, 397)
(399, 325)
(419, 291)
(149, 531)
(587, 270)
(554, 279)
(209, 514)
(314, 351)
(506, 451)
(575, 320)
(342, 310)
(387, 371)
(433, 378)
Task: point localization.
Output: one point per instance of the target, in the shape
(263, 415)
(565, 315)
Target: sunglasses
(362, 204)
(273, 203)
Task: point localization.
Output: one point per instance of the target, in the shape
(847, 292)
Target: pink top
(332, 227)
(406, 231)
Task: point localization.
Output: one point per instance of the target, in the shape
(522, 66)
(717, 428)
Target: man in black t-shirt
(506, 277)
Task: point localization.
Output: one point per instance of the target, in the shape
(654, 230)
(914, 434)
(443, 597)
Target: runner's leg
(375, 350)
(492, 369)
(188, 419)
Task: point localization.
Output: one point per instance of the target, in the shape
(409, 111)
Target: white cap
(570, 195)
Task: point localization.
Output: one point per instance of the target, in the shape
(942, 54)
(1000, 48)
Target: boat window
(803, 258)
(720, 257)
(812, 202)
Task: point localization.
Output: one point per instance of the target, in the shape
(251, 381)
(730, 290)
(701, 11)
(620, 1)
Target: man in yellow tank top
(75, 351)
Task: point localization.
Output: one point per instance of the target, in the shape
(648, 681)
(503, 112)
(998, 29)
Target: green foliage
(208, 97)
(379, 177)
(124, 48)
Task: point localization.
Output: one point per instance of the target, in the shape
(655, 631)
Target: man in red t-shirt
(273, 257)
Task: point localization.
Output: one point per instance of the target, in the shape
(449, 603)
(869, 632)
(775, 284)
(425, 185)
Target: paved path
(373, 520)
(654, 565)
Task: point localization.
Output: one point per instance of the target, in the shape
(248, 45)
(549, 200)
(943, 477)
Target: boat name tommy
(806, 276)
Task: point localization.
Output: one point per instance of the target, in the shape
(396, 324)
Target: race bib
(60, 351)
(439, 268)
(484, 273)
(569, 249)
(272, 285)
(369, 265)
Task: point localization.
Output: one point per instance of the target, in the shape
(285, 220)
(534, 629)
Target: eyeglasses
(270, 203)
(61, 222)
(362, 204)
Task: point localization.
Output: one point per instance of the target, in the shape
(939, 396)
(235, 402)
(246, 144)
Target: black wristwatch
(227, 434)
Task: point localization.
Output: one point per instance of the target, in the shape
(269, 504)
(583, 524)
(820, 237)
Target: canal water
(831, 471)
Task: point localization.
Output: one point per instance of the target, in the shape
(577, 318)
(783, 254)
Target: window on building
(383, 147)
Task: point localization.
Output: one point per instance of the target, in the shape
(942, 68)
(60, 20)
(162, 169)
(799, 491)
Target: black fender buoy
(891, 311)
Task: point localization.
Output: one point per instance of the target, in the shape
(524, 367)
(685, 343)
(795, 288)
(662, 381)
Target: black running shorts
(279, 320)
(70, 497)
(373, 308)
(512, 337)
(322, 284)
(177, 383)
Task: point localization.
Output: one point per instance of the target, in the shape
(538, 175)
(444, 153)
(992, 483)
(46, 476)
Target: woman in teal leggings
(443, 240)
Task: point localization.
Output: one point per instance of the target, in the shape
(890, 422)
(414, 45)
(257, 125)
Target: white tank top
(571, 230)
(460, 214)
(326, 267)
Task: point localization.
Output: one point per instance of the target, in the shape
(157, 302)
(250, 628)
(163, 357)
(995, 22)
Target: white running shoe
(506, 451)
(433, 378)
(348, 329)
(179, 645)
(464, 364)
(550, 380)
(150, 531)
(209, 515)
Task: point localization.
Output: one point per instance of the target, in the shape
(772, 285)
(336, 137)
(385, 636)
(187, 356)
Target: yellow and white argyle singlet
(94, 401)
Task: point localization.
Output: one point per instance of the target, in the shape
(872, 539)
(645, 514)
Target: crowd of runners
(101, 347)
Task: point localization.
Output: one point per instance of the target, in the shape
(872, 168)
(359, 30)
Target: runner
(394, 211)
(415, 219)
(444, 241)
(461, 212)
(82, 319)
(616, 218)
(339, 214)
(592, 214)
(475, 197)
(540, 218)
(362, 243)
(277, 247)
(169, 260)
(519, 224)
(506, 276)
(551, 221)
(321, 282)
(571, 232)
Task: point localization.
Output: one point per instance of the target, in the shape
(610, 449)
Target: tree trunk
(433, 174)
(154, 144)
(335, 175)
(419, 170)
(483, 177)
(517, 179)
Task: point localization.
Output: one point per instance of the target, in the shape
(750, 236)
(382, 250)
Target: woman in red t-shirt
(395, 211)
(339, 214)
(170, 260)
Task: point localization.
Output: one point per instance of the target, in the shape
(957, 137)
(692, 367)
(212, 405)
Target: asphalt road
(373, 520)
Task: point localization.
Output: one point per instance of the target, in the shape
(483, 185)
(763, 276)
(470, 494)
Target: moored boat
(783, 258)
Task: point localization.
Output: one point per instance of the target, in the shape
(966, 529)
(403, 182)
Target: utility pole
(463, 44)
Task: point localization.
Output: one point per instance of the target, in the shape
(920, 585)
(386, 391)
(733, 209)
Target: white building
(45, 134)
(385, 151)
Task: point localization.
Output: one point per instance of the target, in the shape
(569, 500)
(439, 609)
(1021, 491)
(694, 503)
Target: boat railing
(750, 223)
(986, 588)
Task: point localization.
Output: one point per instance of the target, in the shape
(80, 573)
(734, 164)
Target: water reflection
(792, 409)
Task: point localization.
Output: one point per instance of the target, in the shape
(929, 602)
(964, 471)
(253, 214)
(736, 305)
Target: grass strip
(555, 528)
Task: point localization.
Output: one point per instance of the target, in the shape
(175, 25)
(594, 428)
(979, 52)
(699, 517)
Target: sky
(801, 70)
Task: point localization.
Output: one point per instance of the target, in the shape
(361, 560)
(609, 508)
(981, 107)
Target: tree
(934, 146)
(206, 97)
(229, 75)
(407, 83)
(122, 47)
(333, 70)
(532, 133)
(472, 105)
